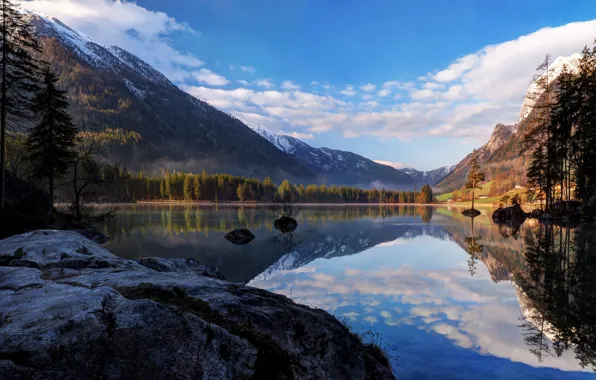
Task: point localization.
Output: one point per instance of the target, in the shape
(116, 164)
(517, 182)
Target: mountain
(345, 168)
(431, 177)
(110, 87)
(456, 178)
(503, 158)
(336, 240)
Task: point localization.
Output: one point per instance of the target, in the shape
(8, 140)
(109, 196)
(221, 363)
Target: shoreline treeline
(120, 185)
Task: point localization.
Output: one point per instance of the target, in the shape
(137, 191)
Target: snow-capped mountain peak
(94, 54)
(336, 163)
(430, 177)
(287, 144)
(554, 70)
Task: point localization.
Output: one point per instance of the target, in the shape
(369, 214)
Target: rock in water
(471, 212)
(240, 236)
(285, 224)
(82, 310)
(512, 214)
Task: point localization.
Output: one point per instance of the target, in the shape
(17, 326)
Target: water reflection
(473, 247)
(557, 292)
(475, 299)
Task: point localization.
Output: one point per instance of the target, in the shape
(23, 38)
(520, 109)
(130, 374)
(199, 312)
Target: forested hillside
(109, 87)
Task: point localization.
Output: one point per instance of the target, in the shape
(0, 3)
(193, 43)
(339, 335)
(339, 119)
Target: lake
(450, 297)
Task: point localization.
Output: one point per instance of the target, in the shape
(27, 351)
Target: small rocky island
(70, 309)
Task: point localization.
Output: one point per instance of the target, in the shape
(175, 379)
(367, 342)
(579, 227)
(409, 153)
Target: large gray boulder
(76, 311)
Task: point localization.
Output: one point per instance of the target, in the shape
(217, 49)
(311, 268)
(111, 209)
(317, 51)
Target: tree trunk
(51, 188)
(472, 199)
(3, 113)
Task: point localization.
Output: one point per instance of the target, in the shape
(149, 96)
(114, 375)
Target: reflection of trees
(286, 241)
(179, 220)
(558, 292)
(474, 248)
(426, 213)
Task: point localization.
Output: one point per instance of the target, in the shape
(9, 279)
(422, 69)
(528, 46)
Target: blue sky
(412, 83)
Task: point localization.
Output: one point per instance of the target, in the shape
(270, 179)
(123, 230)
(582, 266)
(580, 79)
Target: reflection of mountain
(554, 272)
(501, 248)
(345, 239)
(198, 233)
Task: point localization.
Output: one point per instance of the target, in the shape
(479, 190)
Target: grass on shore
(373, 343)
(484, 201)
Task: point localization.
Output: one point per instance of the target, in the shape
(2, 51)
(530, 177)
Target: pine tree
(540, 137)
(536, 174)
(475, 177)
(50, 143)
(584, 139)
(196, 187)
(19, 76)
(187, 189)
(426, 195)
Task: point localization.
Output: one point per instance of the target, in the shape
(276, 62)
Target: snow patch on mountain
(328, 161)
(554, 70)
(94, 54)
(430, 177)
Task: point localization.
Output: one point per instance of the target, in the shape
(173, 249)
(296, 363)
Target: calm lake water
(451, 297)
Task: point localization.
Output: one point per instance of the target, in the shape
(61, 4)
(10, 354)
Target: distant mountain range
(110, 87)
(345, 168)
(503, 158)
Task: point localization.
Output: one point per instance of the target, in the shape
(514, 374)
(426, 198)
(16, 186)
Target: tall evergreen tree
(540, 136)
(475, 177)
(187, 188)
(196, 187)
(19, 76)
(50, 143)
(584, 139)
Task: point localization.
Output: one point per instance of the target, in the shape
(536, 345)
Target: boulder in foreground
(75, 309)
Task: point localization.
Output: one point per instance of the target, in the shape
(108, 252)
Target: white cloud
(424, 95)
(384, 92)
(433, 86)
(456, 69)
(369, 87)
(464, 99)
(396, 165)
(248, 69)
(264, 83)
(210, 78)
(289, 85)
(142, 32)
(348, 90)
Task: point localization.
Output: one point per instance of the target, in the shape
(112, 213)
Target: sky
(409, 83)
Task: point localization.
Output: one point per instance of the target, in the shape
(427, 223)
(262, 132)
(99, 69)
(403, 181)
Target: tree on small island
(475, 177)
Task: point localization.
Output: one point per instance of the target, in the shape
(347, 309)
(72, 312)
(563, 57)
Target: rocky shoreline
(70, 309)
(562, 213)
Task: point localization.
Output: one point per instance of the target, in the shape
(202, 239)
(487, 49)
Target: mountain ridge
(334, 161)
(110, 87)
